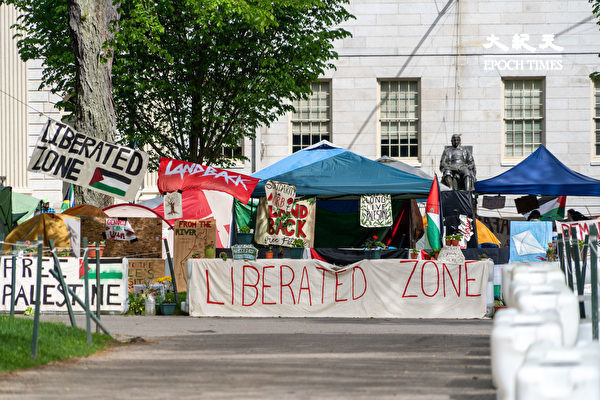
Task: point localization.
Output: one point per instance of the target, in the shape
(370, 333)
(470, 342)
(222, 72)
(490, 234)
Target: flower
(168, 297)
(374, 243)
(167, 282)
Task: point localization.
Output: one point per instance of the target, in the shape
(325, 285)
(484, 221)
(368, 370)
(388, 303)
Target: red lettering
(252, 286)
(208, 300)
(307, 287)
(302, 211)
(409, 278)
(445, 268)
(322, 285)
(336, 288)
(299, 232)
(364, 280)
(264, 285)
(285, 228)
(281, 284)
(467, 281)
(423, 278)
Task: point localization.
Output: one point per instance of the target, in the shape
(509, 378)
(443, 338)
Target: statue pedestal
(451, 255)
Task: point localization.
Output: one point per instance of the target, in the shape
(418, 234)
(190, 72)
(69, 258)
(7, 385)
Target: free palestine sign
(87, 161)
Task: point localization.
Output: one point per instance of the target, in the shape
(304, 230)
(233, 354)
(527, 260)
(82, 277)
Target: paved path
(272, 358)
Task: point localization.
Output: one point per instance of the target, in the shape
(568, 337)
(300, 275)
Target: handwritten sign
(281, 229)
(87, 161)
(191, 237)
(244, 252)
(280, 196)
(376, 210)
(119, 229)
(173, 205)
(313, 288)
(113, 284)
(142, 270)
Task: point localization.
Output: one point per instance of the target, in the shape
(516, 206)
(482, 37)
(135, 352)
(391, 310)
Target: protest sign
(280, 196)
(173, 205)
(176, 175)
(582, 228)
(191, 237)
(143, 270)
(281, 229)
(375, 210)
(113, 284)
(119, 229)
(312, 288)
(87, 161)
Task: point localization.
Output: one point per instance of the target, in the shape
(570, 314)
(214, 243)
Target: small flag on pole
(69, 199)
(432, 211)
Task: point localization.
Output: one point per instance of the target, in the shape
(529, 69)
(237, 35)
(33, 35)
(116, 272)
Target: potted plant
(448, 239)
(297, 250)
(373, 247)
(209, 250)
(223, 256)
(165, 303)
(136, 303)
(456, 240)
(63, 252)
(280, 253)
(244, 235)
(196, 255)
(414, 254)
(433, 254)
(269, 252)
(92, 249)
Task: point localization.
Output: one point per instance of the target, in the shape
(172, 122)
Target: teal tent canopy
(326, 170)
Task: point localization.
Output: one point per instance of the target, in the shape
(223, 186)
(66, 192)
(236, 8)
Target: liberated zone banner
(312, 288)
(176, 175)
(87, 161)
(113, 284)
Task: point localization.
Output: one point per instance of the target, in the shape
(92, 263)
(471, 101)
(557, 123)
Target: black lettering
(64, 300)
(87, 142)
(97, 149)
(62, 166)
(6, 292)
(73, 171)
(110, 293)
(46, 296)
(48, 167)
(59, 128)
(78, 141)
(23, 295)
(66, 140)
(95, 294)
(36, 166)
(136, 157)
(119, 157)
(44, 138)
(27, 262)
(111, 147)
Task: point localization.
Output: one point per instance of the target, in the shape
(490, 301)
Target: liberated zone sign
(113, 284)
(90, 162)
(305, 288)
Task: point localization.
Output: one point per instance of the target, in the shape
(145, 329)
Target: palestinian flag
(432, 210)
(551, 208)
(111, 182)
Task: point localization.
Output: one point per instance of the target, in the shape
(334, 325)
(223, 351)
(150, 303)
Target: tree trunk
(89, 26)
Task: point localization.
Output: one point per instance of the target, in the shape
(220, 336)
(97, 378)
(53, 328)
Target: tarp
(541, 174)
(24, 205)
(394, 163)
(85, 210)
(6, 218)
(326, 170)
(62, 229)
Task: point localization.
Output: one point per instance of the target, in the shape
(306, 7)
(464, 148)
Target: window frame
(329, 121)
(595, 111)
(418, 119)
(542, 117)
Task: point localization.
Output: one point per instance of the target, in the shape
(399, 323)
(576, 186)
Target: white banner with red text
(389, 288)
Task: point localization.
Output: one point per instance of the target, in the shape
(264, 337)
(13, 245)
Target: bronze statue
(458, 166)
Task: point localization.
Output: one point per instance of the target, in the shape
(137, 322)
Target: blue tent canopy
(540, 174)
(324, 169)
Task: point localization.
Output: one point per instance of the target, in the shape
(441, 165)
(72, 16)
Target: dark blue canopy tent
(540, 174)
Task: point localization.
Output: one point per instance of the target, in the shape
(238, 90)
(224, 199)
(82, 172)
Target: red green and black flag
(110, 182)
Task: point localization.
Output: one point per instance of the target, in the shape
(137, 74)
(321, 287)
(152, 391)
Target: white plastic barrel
(551, 372)
(512, 334)
(533, 273)
(551, 296)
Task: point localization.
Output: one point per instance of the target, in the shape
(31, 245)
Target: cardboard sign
(191, 236)
(87, 161)
(113, 284)
(142, 270)
(312, 288)
(280, 196)
(281, 229)
(173, 205)
(376, 210)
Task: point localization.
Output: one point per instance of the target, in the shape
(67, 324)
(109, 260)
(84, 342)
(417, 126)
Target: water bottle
(150, 305)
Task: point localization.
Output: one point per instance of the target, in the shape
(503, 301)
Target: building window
(311, 122)
(229, 152)
(523, 116)
(597, 118)
(399, 118)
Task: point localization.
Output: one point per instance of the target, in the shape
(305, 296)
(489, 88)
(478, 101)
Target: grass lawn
(56, 341)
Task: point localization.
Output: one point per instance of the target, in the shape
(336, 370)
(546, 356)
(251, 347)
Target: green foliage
(298, 243)
(192, 78)
(55, 342)
(137, 303)
(244, 229)
(168, 297)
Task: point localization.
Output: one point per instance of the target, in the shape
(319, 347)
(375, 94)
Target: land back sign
(65, 154)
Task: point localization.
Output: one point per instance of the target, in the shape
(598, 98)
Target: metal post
(569, 269)
(171, 271)
(38, 291)
(580, 283)
(61, 279)
(13, 282)
(88, 327)
(82, 304)
(594, 279)
(98, 287)
(561, 254)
